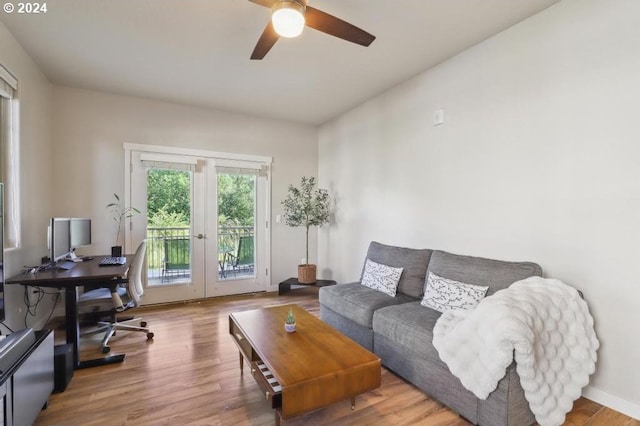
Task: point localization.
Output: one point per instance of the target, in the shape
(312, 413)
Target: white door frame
(260, 279)
(192, 287)
(136, 231)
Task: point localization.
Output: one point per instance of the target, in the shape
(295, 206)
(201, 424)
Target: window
(9, 157)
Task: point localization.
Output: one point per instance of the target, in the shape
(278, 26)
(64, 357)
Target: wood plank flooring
(189, 375)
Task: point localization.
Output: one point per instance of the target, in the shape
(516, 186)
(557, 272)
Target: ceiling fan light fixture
(288, 18)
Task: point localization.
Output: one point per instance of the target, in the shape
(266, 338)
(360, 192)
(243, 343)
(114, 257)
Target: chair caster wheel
(106, 349)
(149, 336)
(143, 323)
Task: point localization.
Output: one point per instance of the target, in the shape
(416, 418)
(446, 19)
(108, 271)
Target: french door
(205, 222)
(237, 220)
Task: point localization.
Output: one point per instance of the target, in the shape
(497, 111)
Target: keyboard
(113, 261)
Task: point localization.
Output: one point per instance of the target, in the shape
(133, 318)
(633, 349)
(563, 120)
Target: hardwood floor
(189, 375)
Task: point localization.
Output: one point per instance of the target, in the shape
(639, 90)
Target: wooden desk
(87, 273)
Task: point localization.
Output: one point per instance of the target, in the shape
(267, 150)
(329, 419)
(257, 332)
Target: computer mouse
(87, 258)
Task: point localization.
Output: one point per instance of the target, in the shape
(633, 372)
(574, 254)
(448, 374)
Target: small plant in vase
(120, 214)
(290, 322)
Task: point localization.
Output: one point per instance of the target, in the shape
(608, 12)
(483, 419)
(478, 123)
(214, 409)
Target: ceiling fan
(289, 17)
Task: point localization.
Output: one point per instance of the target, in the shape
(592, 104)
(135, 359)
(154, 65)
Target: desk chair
(115, 298)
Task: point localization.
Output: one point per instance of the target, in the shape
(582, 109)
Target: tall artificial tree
(306, 206)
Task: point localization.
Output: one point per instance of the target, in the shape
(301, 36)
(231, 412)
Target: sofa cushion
(444, 294)
(496, 274)
(381, 277)
(357, 302)
(413, 261)
(410, 326)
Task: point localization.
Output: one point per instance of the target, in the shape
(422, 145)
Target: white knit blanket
(549, 327)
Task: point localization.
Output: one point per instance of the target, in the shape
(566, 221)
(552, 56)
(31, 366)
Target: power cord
(32, 307)
(53, 308)
(7, 327)
(32, 270)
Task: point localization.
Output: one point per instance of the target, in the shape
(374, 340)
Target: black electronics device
(62, 366)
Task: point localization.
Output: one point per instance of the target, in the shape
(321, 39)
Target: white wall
(537, 160)
(91, 127)
(34, 130)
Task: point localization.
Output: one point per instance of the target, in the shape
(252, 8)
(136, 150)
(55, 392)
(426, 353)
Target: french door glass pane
(168, 226)
(236, 225)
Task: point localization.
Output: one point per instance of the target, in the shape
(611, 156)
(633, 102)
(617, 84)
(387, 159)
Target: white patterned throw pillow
(381, 277)
(443, 294)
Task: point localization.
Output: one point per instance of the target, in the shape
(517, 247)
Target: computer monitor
(60, 238)
(80, 232)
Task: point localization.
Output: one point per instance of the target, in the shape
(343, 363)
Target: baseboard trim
(615, 402)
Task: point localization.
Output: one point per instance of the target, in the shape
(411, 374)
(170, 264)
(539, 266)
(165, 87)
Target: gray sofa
(400, 330)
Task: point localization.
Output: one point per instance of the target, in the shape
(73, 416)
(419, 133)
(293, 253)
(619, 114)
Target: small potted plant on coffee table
(306, 206)
(290, 322)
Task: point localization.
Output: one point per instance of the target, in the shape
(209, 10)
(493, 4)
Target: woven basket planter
(307, 274)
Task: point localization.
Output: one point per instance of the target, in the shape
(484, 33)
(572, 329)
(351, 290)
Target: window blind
(168, 162)
(237, 171)
(240, 168)
(8, 83)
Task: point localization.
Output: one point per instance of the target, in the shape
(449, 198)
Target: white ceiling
(197, 51)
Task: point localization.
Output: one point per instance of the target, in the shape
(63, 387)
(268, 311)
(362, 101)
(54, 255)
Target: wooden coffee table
(302, 371)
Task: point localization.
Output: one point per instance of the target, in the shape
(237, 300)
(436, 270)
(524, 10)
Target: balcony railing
(169, 252)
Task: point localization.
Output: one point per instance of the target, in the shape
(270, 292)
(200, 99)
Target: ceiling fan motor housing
(291, 4)
(287, 17)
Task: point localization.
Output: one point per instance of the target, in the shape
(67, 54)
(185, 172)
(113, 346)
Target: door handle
(200, 236)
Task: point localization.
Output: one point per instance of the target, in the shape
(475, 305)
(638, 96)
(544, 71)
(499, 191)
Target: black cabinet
(27, 382)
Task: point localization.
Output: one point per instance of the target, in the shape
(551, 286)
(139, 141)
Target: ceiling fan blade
(329, 24)
(265, 3)
(265, 42)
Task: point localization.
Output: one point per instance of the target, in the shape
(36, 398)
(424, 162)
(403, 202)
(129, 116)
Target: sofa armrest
(507, 405)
